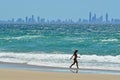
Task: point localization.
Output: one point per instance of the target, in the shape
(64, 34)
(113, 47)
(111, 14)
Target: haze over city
(58, 9)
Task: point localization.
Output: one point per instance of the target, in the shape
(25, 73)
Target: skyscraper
(90, 17)
(94, 18)
(106, 17)
(33, 20)
(38, 19)
(26, 19)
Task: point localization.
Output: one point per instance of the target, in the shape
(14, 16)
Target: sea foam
(62, 60)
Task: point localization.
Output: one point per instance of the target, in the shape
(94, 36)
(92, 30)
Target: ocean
(98, 45)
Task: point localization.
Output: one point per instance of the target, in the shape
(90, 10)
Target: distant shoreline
(59, 23)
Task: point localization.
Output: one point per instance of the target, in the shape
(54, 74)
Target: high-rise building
(90, 17)
(79, 20)
(100, 19)
(94, 18)
(13, 20)
(106, 17)
(33, 20)
(38, 19)
(42, 20)
(26, 19)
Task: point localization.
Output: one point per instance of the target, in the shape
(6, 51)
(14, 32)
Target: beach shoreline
(16, 71)
(18, 66)
(13, 74)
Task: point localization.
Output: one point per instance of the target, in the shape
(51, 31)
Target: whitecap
(22, 37)
(109, 40)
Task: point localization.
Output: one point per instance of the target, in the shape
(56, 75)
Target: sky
(62, 9)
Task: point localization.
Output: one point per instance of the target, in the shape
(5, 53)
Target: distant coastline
(92, 19)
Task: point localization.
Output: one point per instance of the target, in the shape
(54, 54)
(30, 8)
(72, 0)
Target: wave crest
(22, 37)
(62, 60)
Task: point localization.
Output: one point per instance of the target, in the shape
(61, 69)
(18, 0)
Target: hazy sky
(53, 9)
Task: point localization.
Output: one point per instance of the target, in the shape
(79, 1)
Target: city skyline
(92, 19)
(54, 9)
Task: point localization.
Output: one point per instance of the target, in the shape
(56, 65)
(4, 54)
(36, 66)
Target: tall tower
(106, 17)
(90, 17)
(94, 18)
(38, 19)
(33, 20)
(26, 19)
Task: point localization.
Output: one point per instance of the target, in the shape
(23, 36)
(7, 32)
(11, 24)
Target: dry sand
(13, 74)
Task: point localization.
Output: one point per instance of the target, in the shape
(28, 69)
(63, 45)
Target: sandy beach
(14, 74)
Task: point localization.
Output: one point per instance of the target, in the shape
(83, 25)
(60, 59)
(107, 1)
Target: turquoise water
(88, 39)
(23, 43)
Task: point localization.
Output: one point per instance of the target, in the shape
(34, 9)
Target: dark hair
(76, 51)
